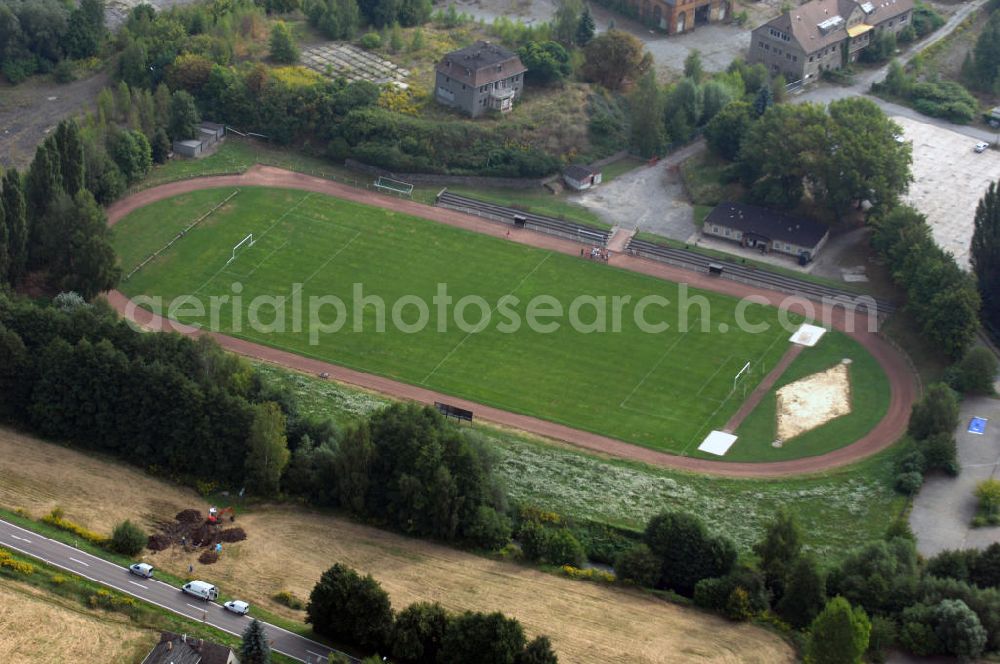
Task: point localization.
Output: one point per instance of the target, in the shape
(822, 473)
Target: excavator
(216, 516)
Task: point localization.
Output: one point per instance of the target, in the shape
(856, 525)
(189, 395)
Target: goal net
(742, 373)
(245, 242)
(397, 187)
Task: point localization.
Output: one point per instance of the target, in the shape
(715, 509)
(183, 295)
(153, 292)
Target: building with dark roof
(821, 35)
(183, 649)
(767, 230)
(479, 78)
(580, 177)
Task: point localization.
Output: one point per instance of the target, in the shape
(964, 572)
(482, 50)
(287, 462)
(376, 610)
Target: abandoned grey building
(809, 39)
(479, 78)
(767, 230)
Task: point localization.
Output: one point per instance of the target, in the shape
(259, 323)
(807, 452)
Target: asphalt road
(155, 592)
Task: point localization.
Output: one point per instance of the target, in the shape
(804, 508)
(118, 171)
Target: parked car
(201, 590)
(141, 569)
(981, 146)
(237, 606)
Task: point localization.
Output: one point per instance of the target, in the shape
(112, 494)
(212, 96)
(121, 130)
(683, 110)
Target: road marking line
(21, 538)
(80, 562)
(139, 584)
(314, 653)
(197, 608)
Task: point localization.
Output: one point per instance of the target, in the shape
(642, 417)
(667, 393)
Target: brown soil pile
(208, 557)
(190, 528)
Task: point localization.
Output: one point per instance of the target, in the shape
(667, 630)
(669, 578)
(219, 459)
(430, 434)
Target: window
(727, 232)
(715, 229)
(795, 58)
(810, 58)
(788, 247)
(902, 19)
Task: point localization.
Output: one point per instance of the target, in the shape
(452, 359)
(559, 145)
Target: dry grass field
(38, 628)
(287, 549)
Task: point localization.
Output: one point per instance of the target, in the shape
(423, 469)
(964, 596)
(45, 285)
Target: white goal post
(248, 240)
(398, 187)
(736, 378)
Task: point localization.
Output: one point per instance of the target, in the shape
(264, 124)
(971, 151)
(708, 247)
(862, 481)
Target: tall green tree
(646, 103)
(42, 187)
(781, 545)
(839, 635)
(693, 68)
(418, 632)
(804, 593)
(984, 254)
(688, 553)
(566, 21)
(86, 29)
(71, 164)
(283, 48)
(986, 55)
(4, 247)
(83, 259)
(184, 116)
(267, 449)
(763, 101)
(254, 647)
(538, 651)
(936, 413)
(547, 62)
(15, 215)
(725, 132)
(614, 57)
(348, 607)
(483, 638)
(586, 28)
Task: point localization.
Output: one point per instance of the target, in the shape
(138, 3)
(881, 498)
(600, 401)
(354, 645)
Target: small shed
(190, 148)
(580, 177)
(210, 133)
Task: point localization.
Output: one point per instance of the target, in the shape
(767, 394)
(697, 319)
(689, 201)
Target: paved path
(942, 512)
(155, 592)
(885, 433)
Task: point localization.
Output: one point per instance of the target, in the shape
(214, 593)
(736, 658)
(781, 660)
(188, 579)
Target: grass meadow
(662, 390)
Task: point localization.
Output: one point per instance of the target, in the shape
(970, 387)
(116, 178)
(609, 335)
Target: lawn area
(288, 548)
(664, 389)
(838, 510)
(41, 628)
(870, 394)
(621, 167)
(703, 179)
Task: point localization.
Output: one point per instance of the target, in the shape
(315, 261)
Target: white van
(202, 590)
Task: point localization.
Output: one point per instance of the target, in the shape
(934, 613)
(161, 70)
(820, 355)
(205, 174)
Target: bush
(489, 529)
(55, 518)
(975, 373)
(738, 596)
(561, 548)
(64, 72)
(127, 539)
(941, 453)
(881, 639)
(937, 412)
(909, 483)
(370, 41)
(286, 598)
(988, 494)
(638, 565)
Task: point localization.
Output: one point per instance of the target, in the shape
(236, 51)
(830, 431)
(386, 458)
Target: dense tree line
(981, 68)
(984, 254)
(35, 35)
(353, 609)
(939, 98)
(941, 297)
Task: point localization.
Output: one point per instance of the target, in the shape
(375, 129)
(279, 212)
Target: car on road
(981, 146)
(237, 606)
(141, 569)
(202, 590)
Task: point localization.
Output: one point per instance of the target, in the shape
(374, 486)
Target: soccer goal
(247, 242)
(397, 187)
(740, 374)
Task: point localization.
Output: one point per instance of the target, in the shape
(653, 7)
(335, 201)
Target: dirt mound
(192, 517)
(159, 542)
(208, 557)
(232, 535)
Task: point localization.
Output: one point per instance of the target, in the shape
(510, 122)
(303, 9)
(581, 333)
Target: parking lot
(949, 179)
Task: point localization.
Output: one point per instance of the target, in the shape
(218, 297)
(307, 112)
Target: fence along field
(663, 391)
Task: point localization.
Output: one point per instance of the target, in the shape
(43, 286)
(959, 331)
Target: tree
(714, 97)
(566, 21)
(489, 530)
(959, 629)
(183, 116)
(585, 28)
(646, 105)
(538, 651)
(763, 101)
(984, 254)
(255, 648)
(85, 29)
(940, 453)
(988, 495)
(986, 55)
(839, 635)
(547, 62)
(70, 148)
(693, 68)
(781, 545)
(132, 153)
(346, 606)
(267, 449)
(975, 373)
(686, 550)
(418, 632)
(725, 132)
(83, 260)
(15, 214)
(160, 146)
(483, 638)
(562, 548)
(127, 539)
(937, 412)
(4, 247)
(881, 577)
(44, 181)
(805, 592)
(283, 49)
(615, 57)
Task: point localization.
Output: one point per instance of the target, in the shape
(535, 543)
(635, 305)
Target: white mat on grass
(717, 443)
(807, 335)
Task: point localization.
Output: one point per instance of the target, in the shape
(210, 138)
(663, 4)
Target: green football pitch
(665, 389)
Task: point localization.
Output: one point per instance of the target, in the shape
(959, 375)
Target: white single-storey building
(580, 177)
(767, 230)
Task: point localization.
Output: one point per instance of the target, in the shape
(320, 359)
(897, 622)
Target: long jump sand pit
(288, 549)
(813, 401)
